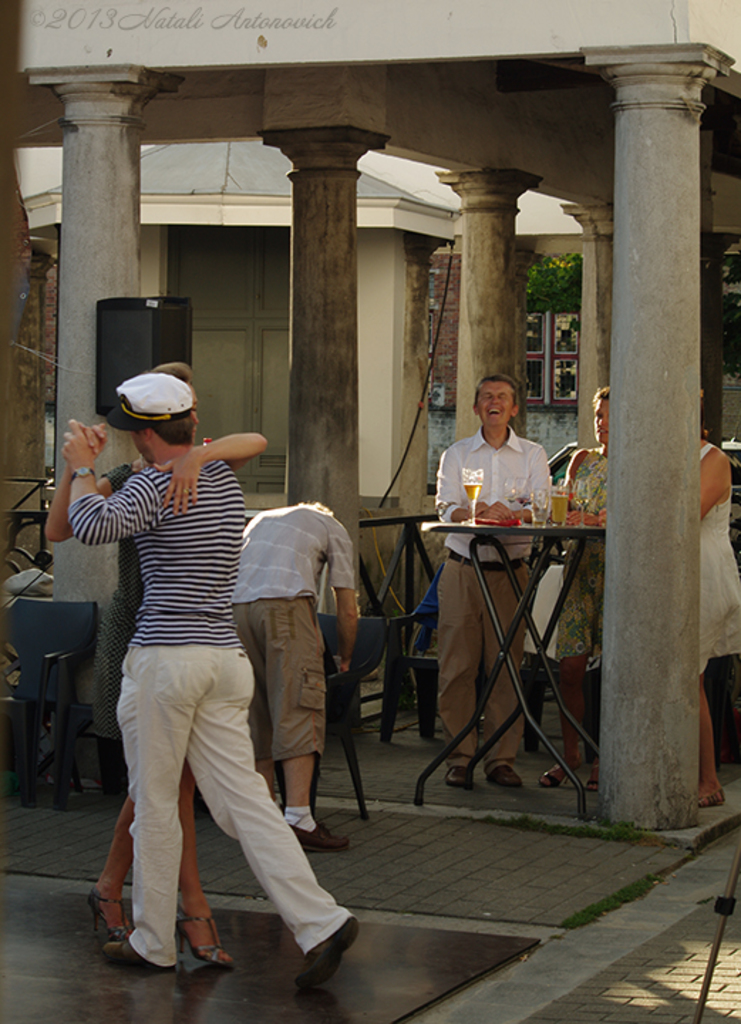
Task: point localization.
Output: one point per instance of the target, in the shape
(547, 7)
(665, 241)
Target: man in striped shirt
(188, 684)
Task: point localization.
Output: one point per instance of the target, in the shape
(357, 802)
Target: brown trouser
(465, 633)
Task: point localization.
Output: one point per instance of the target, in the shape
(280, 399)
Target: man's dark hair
(497, 378)
(175, 432)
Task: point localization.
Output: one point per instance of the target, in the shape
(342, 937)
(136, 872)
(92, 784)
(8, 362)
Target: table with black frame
(550, 537)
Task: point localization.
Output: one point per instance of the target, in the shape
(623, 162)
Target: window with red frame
(552, 358)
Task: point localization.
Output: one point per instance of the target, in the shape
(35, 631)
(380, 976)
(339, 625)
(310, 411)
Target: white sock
(301, 817)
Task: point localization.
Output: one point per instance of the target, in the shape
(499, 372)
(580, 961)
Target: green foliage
(631, 892)
(554, 285)
(732, 315)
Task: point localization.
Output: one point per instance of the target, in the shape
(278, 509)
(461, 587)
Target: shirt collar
(513, 441)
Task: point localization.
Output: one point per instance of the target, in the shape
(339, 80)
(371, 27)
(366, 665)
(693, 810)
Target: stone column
(413, 476)
(323, 404)
(649, 731)
(596, 310)
(98, 259)
(487, 333)
(713, 249)
(523, 262)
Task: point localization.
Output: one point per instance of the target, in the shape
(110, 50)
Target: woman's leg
(116, 868)
(192, 897)
(709, 785)
(571, 672)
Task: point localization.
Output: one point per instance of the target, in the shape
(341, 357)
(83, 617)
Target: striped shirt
(285, 550)
(188, 562)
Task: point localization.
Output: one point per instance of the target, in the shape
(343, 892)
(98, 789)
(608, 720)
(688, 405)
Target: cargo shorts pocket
(313, 691)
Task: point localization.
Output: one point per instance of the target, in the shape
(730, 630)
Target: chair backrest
(369, 644)
(38, 628)
(367, 653)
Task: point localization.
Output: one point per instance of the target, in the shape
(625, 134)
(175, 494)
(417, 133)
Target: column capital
(95, 95)
(324, 149)
(596, 219)
(713, 247)
(524, 260)
(419, 248)
(671, 77)
(488, 189)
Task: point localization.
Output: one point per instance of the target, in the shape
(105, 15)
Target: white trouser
(179, 702)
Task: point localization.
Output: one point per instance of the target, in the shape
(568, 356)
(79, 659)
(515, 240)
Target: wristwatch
(83, 471)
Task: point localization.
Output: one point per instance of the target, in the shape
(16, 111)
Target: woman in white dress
(720, 599)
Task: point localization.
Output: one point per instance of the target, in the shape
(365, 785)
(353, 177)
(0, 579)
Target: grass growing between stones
(631, 892)
(619, 832)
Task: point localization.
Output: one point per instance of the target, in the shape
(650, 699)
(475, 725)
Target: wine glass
(473, 481)
(516, 490)
(582, 495)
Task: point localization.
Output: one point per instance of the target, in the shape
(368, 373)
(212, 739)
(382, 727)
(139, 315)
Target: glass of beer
(559, 505)
(473, 481)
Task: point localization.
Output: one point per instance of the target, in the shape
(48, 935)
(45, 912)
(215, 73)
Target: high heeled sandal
(116, 933)
(208, 954)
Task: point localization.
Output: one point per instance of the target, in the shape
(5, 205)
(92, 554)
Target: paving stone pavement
(454, 864)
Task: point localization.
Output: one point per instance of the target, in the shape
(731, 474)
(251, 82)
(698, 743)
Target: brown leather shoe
(503, 775)
(322, 961)
(321, 839)
(124, 953)
(456, 776)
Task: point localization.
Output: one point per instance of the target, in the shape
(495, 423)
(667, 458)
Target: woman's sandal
(593, 780)
(553, 778)
(208, 954)
(712, 799)
(116, 933)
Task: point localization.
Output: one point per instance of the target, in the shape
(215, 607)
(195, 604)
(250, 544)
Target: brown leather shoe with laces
(321, 839)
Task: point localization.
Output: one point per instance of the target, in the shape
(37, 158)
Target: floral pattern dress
(580, 624)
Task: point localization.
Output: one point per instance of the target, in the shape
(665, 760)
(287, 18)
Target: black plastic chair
(41, 632)
(342, 687)
(72, 719)
(398, 663)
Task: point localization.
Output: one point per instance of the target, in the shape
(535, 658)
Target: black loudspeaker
(134, 335)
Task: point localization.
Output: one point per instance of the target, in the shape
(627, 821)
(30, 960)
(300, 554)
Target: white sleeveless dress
(720, 587)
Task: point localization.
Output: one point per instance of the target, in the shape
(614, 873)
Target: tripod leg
(724, 906)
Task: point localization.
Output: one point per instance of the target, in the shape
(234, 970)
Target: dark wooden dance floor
(53, 970)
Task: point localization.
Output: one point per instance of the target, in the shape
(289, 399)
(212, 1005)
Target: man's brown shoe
(124, 953)
(456, 776)
(322, 961)
(503, 775)
(321, 839)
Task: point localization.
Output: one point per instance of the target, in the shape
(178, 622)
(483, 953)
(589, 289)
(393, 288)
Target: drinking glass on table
(473, 481)
(559, 505)
(516, 491)
(582, 494)
(540, 500)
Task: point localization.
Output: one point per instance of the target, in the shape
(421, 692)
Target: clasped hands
(83, 444)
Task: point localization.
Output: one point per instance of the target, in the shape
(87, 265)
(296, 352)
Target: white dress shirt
(516, 458)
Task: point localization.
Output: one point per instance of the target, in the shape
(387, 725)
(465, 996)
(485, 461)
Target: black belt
(487, 566)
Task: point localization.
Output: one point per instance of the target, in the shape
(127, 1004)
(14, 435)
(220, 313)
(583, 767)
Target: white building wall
(381, 283)
(192, 34)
